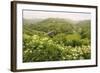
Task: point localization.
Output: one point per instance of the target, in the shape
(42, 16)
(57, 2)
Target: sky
(27, 14)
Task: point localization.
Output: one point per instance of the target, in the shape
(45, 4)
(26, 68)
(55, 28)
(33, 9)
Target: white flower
(41, 42)
(44, 39)
(35, 37)
(50, 41)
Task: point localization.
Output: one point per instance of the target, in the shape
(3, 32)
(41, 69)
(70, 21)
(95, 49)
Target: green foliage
(53, 24)
(73, 40)
(84, 28)
(40, 49)
(85, 41)
(60, 38)
(45, 49)
(56, 39)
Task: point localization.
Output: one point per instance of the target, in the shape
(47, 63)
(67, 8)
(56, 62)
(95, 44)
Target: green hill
(52, 24)
(84, 28)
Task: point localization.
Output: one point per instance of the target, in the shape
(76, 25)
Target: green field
(56, 39)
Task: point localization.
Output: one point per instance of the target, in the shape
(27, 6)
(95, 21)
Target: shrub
(38, 48)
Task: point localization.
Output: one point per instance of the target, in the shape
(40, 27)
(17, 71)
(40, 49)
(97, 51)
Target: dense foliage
(55, 39)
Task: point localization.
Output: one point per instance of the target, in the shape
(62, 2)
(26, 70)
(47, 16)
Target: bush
(73, 40)
(85, 41)
(76, 53)
(38, 48)
(41, 49)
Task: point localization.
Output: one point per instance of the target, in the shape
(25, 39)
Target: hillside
(52, 24)
(55, 39)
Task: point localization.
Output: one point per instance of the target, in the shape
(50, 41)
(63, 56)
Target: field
(56, 39)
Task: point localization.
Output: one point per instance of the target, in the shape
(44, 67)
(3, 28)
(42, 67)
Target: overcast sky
(66, 15)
